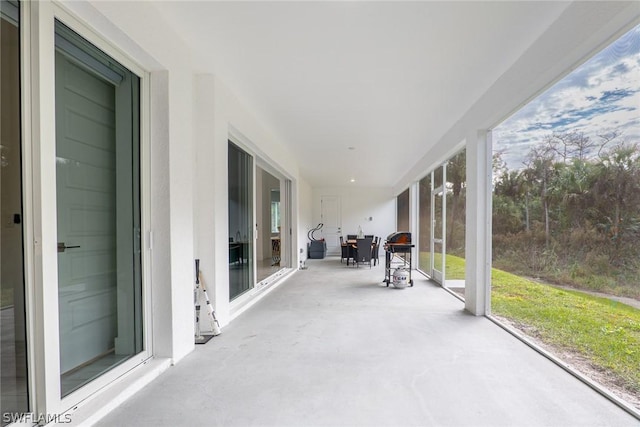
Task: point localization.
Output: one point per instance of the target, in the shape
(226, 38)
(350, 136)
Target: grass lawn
(454, 268)
(605, 332)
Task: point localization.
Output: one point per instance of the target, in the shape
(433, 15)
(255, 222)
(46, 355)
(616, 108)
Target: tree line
(575, 198)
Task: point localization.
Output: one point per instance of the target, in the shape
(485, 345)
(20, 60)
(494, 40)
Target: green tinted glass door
(98, 211)
(241, 222)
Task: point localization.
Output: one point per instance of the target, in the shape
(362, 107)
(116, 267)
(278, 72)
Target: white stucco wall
(192, 117)
(221, 116)
(358, 204)
(305, 217)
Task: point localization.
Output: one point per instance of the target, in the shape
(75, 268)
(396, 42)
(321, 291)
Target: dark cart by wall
(317, 249)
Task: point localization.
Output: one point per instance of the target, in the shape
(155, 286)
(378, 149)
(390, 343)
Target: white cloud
(600, 96)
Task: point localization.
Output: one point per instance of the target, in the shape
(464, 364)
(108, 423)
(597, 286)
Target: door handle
(62, 247)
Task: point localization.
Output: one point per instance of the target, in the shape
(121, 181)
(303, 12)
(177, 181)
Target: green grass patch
(605, 332)
(454, 267)
(615, 283)
(6, 297)
(596, 274)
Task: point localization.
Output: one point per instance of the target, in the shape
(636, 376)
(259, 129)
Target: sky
(600, 96)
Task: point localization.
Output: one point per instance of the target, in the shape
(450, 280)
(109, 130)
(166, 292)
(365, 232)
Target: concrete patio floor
(332, 346)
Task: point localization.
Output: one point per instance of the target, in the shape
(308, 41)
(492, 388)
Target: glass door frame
(244, 297)
(440, 191)
(286, 219)
(252, 232)
(284, 188)
(433, 271)
(40, 201)
(424, 202)
(286, 185)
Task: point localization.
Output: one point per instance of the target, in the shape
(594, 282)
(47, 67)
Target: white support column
(220, 189)
(478, 223)
(205, 202)
(159, 239)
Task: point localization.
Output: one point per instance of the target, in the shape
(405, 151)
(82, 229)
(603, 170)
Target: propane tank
(401, 278)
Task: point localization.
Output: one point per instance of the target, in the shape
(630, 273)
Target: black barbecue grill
(397, 248)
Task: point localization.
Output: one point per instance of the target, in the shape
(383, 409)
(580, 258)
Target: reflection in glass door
(98, 211)
(14, 398)
(269, 216)
(241, 224)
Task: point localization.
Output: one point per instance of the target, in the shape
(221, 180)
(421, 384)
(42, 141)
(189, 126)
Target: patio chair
(344, 250)
(363, 251)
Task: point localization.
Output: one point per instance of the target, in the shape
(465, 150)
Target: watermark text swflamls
(31, 418)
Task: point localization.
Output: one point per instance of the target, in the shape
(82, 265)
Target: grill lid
(403, 237)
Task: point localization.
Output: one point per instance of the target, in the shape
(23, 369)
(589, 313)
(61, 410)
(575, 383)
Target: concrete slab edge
(261, 293)
(588, 381)
(93, 409)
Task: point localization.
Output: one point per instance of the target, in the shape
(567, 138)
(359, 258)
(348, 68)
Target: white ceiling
(387, 78)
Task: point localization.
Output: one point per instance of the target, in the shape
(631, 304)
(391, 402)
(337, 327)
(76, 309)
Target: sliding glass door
(241, 223)
(14, 398)
(455, 222)
(438, 236)
(98, 210)
(442, 213)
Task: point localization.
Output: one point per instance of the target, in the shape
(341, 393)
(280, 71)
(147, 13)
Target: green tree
(456, 177)
(617, 192)
(571, 188)
(539, 172)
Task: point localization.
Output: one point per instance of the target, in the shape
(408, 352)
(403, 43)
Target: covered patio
(140, 136)
(332, 345)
